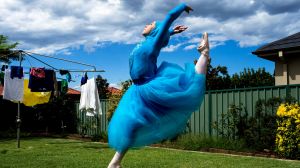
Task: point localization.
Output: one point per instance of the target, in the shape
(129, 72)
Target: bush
(288, 131)
(202, 142)
(12, 133)
(258, 131)
(100, 137)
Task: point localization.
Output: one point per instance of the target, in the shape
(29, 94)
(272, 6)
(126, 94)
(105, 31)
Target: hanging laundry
(68, 77)
(84, 79)
(67, 73)
(37, 72)
(89, 99)
(16, 72)
(63, 72)
(4, 67)
(55, 85)
(34, 98)
(63, 86)
(13, 88)
(37, 84)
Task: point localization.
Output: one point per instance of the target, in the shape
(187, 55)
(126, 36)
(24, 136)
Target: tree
(252, 78)
(217, 77)
(115, 99)
(102, 86)
(6, 52)
(125, 85)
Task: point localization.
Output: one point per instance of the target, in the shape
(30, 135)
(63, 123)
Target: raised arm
(172, 15)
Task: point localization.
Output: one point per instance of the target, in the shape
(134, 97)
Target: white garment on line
(89, 98)
(13, 88)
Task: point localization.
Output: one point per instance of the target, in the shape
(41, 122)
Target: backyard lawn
(48, 152)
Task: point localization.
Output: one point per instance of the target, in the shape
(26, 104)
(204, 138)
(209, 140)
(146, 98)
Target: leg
(116, 160)
(201, 65)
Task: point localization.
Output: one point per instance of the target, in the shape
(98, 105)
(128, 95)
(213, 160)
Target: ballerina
(160, 101)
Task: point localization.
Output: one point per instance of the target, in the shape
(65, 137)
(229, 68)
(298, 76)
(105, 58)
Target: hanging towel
(45, 84)
(89, 99)
(16, 72)
(34, 98)
(13, 88)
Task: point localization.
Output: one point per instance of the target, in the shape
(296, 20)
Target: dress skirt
(158, 109)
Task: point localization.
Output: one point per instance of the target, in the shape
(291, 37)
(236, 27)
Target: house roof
(288, 45)
(114, 90)
(73, 91)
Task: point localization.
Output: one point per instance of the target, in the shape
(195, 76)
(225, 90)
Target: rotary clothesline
(32, 55)
(22, 54)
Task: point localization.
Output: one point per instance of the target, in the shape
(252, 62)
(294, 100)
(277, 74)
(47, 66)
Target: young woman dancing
(159, 103)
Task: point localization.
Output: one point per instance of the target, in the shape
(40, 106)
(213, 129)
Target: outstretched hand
(179, 28)
(188, 9)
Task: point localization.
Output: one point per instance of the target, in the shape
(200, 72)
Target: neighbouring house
(73, 94)
(114, 91)
(286, 55)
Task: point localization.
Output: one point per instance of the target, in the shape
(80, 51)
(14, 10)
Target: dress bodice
(143, 58)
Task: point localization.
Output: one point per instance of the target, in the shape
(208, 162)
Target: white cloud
(171, 48)
(49, 26)
(189, 47)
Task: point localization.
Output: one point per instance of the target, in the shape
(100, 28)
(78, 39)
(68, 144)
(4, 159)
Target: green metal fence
(92, 125)
(215, 103)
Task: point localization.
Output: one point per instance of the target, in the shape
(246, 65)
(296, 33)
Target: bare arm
(172, 15)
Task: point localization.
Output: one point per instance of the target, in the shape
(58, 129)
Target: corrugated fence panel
(92, 125)
(201, 117)
(214, 105)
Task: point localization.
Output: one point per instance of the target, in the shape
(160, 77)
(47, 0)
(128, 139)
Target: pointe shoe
(203, 48)
(114, 165)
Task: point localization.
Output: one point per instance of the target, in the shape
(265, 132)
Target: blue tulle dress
(159, 103)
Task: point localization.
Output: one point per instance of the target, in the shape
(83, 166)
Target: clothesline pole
(18, 126)
(18, 117)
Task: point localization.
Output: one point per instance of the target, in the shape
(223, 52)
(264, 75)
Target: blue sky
(103, 32)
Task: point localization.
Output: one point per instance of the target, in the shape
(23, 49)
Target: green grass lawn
(47, 152)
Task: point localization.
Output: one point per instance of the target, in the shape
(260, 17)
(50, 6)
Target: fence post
(288, 91)
(209, 113)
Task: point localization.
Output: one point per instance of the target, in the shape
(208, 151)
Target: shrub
(258, 131)
(202, 142)
(100, 137)
(288, 131)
